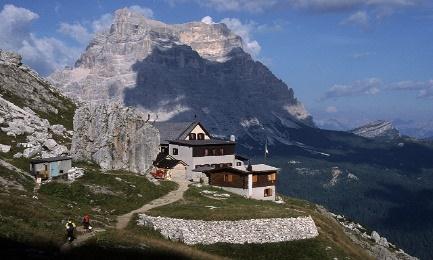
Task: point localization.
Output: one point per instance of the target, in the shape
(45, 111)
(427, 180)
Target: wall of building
(237, 180)
(263, 181)
(213, 160)
(198, 130)
(239, 191)
(213, 150)
(258, 193)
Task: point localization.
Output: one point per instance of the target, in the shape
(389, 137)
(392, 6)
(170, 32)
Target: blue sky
(352, 60)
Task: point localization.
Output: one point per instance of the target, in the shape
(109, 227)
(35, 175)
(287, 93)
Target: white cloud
(44, 54)
(424, 89)
(361, 55)
(331, 109)
(102, 23)
(244, 30)
(146, 12)
(76, 31)
(320, 6)
(207, 20)
(369, 86)
(360, 18)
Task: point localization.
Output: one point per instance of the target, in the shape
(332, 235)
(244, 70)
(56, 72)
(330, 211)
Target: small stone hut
(50, 167)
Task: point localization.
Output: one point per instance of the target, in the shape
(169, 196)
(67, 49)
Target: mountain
(35, 118)
(377, 129)
(331, 124)
(417, 129)
(182, 71)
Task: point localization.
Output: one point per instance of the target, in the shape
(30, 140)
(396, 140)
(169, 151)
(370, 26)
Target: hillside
(386, 183)
(33, 222)
(36, 120)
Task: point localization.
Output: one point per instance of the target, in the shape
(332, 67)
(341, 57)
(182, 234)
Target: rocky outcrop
(114, 137)
(257, 231)
(378, 247)
(378, 129)
(182, 71)
(25, 88)
(34, 132)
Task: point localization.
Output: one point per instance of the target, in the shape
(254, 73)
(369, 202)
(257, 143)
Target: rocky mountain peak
(377, 129)
(180, 71)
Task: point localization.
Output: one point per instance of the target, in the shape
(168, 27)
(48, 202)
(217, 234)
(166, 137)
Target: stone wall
(257, 231)
(114, 137)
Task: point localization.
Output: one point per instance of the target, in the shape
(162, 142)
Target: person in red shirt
(86, 222)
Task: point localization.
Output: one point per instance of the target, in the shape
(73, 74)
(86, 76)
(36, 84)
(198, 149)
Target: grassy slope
(332, 242)
(41, 220)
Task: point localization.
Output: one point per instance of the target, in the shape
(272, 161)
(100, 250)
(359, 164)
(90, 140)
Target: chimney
(249, 167)
(232, 138)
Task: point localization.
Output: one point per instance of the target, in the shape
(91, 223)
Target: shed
(50, 167)
(168, 167)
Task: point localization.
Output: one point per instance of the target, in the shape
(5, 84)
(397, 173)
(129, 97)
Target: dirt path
(81, 237)
(123, 220)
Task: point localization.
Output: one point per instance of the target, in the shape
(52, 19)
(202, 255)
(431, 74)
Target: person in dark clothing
(70, 227)
(86, 222)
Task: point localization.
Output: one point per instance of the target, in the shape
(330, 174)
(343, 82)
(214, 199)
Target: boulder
(114, 137)
(5, 148)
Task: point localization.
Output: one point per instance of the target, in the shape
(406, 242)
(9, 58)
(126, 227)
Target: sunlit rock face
(377, 129)
(184, 72)
(114, 137)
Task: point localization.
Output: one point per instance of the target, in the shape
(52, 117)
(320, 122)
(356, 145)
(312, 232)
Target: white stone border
(257, 231)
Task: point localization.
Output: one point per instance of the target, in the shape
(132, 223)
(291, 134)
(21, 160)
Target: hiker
(86, 222)
(70, 227)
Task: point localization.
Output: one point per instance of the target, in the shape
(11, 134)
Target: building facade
(193, 144)
(252, 181)
(50, 167)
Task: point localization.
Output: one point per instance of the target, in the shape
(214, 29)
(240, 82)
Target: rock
(5, 148)
(75, 173)
(377, 129)
(58, 129)
(50, 144)
(114, 137)
(258, 231)
(31, 152)
(375, 236)
(10, 57)
(170, 70)
(18, 155)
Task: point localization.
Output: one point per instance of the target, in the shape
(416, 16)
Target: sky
(350, 60)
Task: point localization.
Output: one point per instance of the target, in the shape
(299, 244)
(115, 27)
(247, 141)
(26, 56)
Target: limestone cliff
(176, 72)
(114, 137)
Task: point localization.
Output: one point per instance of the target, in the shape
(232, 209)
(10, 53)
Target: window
(214, 152)
(175, 151)
(238, 164)
(46, 167)
(272, 177)
(268, 192)
(221, 151)
(61, 171)
(228, 178)
(229, 164)
(200, 136)
(192, 136)
(254, 178)
(206, 152)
